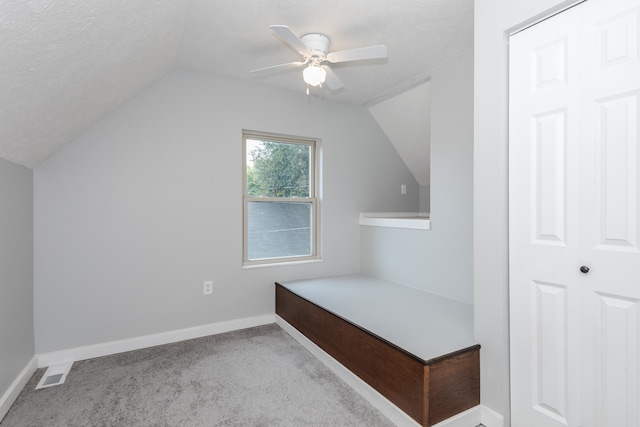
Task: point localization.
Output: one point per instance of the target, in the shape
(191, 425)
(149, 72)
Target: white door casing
(574, 200)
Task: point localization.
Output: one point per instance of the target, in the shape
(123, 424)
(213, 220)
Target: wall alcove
(412, 220)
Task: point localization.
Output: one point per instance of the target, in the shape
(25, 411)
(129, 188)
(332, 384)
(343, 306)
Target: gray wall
(16, 271)
(134, 215)
(425, 198)
(439, 260)
(493, 20)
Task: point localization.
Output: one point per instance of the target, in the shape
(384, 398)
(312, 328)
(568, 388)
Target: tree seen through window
(278, 170)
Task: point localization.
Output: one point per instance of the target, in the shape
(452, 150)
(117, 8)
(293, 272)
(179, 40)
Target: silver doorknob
(584, 269)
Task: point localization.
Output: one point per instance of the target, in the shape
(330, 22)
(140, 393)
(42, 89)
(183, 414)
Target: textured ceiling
(64, 64)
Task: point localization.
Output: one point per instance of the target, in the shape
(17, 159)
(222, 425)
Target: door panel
(617, 173)
(617, 360)
(550, 367)
(610, 212)
(574, 200)
(550, 65)
(543, 242)
(549, 177)
(617, 37)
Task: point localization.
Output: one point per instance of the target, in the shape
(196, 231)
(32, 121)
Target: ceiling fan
(314, 48)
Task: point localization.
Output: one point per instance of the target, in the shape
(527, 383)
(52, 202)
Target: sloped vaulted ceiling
(65, 64)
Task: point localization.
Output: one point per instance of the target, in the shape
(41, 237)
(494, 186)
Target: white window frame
(312, 199)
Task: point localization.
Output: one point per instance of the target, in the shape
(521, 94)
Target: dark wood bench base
(429, 391)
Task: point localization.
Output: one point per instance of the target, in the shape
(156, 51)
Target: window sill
(411, 220)
(280, 263)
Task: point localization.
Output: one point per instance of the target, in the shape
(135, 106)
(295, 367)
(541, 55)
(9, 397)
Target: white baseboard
(490, 418)
(391, 411)
(469, 418)
(473, 417)
(115, 347)
(16, 387)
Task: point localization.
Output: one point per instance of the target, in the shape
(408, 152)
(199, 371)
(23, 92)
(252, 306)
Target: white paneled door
(574, 218)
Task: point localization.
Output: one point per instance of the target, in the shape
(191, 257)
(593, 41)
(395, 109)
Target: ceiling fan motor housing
(318, 44)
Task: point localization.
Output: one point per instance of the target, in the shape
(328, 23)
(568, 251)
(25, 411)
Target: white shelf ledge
(412, 220)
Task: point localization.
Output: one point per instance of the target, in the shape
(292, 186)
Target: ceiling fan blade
(359, 54)
(290, 38)
(332, 81)
(279, 67)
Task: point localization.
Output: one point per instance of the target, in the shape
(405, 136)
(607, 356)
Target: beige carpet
(254, 377)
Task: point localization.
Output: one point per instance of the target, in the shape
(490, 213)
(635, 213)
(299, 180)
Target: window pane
(277, 169)
(279, 229)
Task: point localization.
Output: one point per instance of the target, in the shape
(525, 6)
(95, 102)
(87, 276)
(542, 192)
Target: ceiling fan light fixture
(314, 75)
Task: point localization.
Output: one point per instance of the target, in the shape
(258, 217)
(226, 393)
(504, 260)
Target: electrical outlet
(208, 287)
(403, 189)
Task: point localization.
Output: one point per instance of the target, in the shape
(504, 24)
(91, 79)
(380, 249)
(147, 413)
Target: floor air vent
(54, 375)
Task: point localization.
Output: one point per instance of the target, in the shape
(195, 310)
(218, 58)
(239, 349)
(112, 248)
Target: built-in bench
(414, 347)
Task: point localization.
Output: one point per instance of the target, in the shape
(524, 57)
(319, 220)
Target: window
(280, 205)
